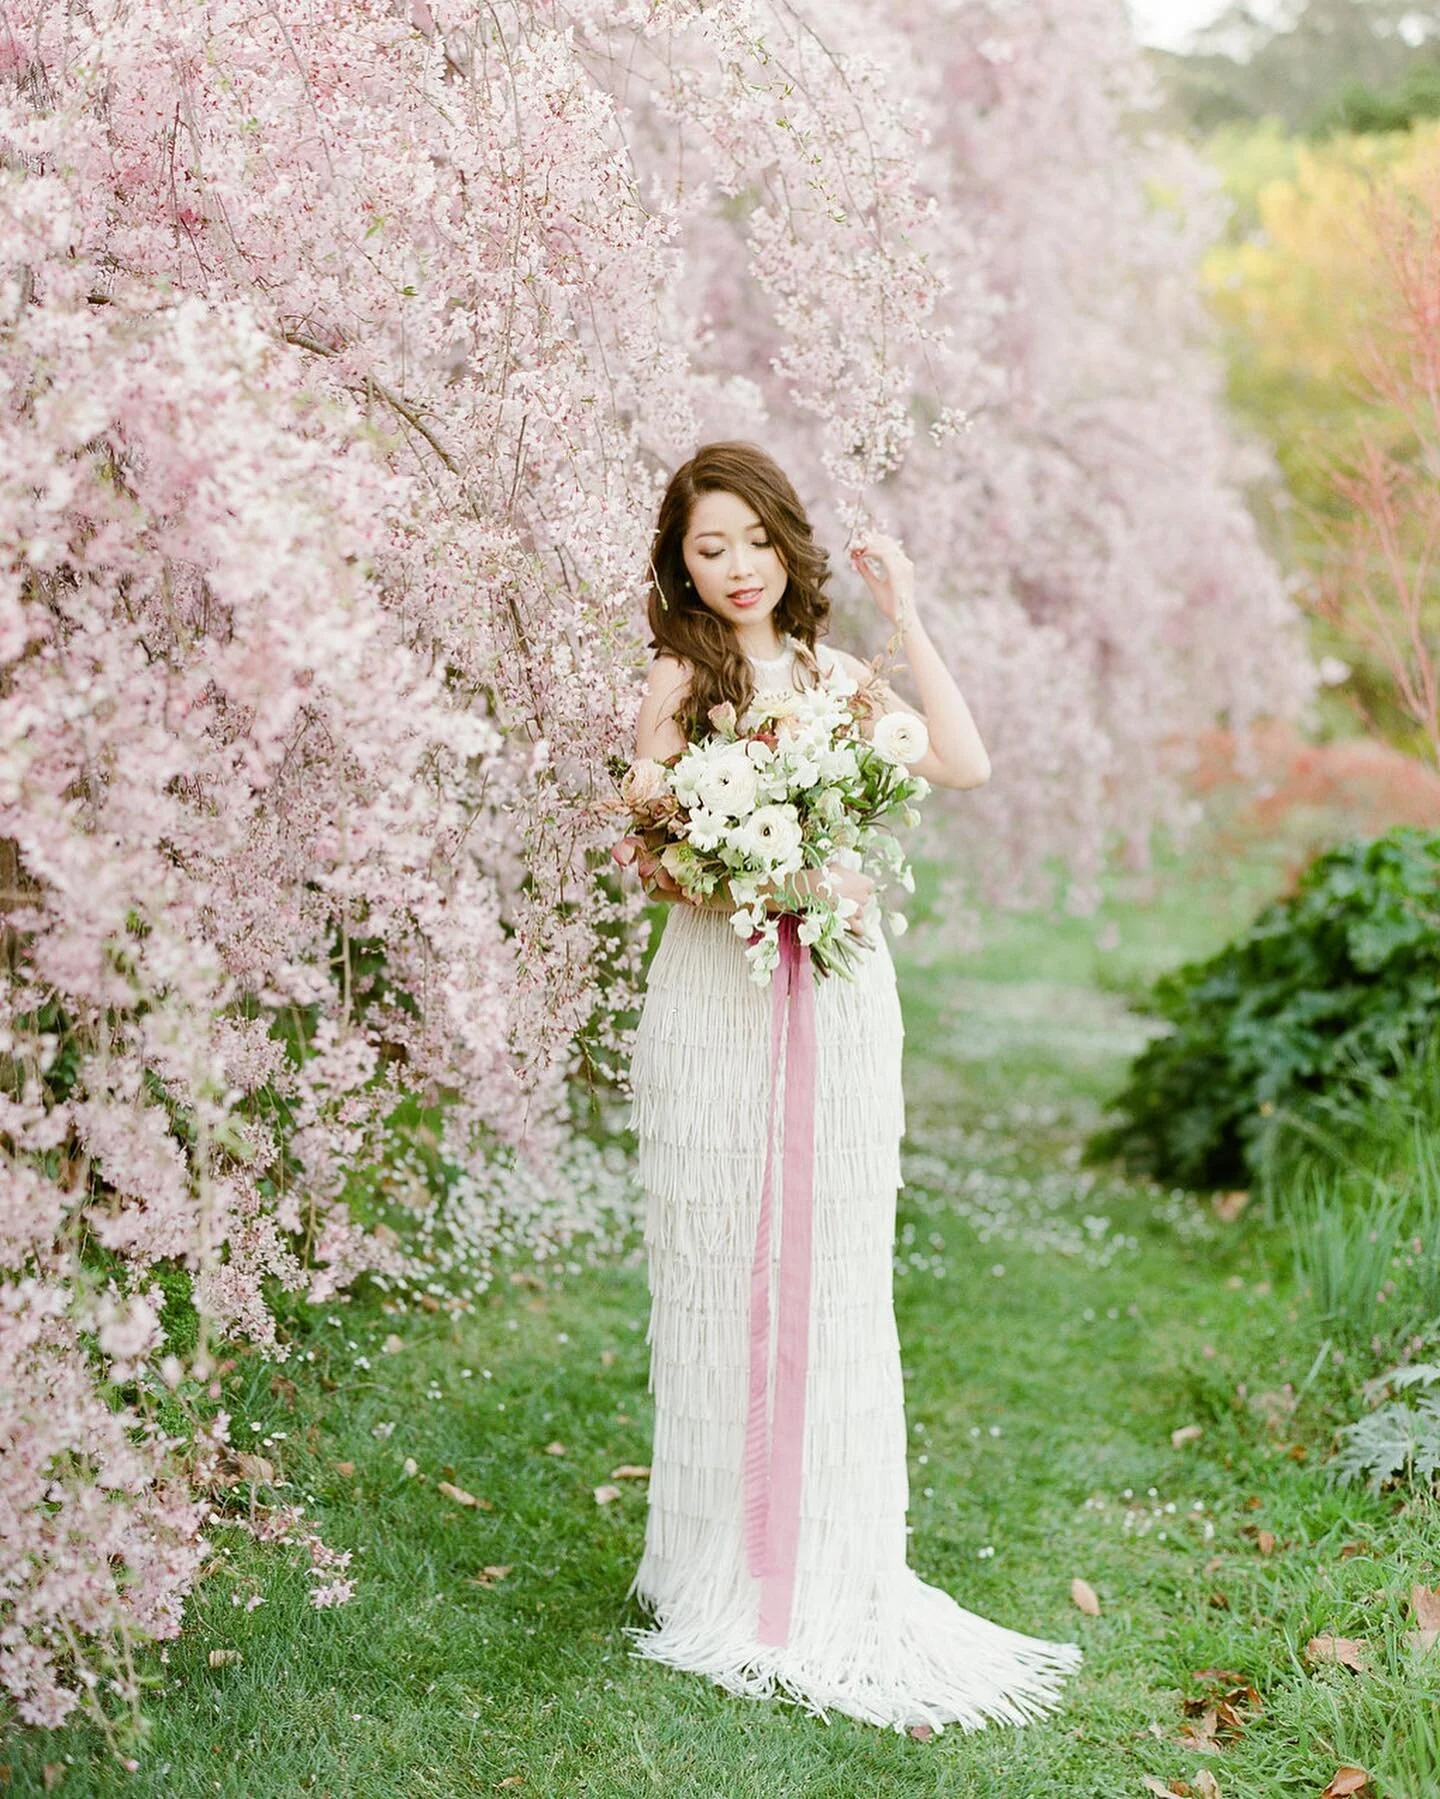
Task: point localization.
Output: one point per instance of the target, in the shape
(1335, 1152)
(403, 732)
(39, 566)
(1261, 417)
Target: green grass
(1057, 1324)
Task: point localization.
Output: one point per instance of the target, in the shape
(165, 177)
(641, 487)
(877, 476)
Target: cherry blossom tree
(345, 350)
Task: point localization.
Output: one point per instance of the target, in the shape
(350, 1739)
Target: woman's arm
(956, 756)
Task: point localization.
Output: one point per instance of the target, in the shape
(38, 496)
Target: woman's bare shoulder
(667, 675)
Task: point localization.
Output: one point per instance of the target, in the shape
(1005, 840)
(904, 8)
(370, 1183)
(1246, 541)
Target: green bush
(1328, 992)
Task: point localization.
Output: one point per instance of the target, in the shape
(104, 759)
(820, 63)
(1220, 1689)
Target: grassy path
(1057, 1327)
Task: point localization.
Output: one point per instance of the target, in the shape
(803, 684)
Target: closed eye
(710, 555)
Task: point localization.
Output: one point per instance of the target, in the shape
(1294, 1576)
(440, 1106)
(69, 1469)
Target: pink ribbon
(772, 1472)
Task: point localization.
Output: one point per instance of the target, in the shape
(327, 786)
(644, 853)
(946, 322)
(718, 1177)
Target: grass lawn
(1058, 1325)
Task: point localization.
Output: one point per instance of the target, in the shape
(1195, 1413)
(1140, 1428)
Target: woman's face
(737, 573)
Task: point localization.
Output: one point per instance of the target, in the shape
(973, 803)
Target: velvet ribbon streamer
(772, 1472)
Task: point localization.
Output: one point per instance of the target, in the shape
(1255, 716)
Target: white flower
(901, 737)
(898, 923)
(772, 834)
(729, 785)
(705, 829)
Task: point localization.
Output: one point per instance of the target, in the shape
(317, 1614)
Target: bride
(832, 1617)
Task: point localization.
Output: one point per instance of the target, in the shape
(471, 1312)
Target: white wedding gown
(867, 1636)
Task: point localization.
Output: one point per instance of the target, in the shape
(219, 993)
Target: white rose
(729, 786)
(901, 737)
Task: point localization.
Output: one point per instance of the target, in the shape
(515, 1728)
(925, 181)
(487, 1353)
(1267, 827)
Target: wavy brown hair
(682, 626)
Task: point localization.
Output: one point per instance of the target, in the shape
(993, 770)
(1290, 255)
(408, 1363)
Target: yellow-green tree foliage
(1299, 284)
(1306, 290)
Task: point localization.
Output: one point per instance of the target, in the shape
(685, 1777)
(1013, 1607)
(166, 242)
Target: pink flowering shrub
(343, 352)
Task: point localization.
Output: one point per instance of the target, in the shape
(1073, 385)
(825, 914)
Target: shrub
(1329, 991)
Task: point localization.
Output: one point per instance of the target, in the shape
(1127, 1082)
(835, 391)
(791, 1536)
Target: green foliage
(1330, 987)
(178, 1318)
(1362, 108)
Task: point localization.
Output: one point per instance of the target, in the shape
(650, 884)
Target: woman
(738, 603)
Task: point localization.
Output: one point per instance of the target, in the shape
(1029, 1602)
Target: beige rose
(642, 782)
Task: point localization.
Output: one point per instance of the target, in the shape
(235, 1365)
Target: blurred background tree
(1316, 65)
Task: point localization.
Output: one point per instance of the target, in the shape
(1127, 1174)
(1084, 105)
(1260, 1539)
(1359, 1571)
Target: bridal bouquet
(793, 783)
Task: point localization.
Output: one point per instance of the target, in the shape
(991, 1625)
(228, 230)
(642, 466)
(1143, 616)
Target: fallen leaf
(630, 1471)
(1349, 1549)
(1220, 1601)
(1421, 1641)
(429, 1302)
(53, 1773)
(458, 1494)
(1223, 1711)
(345, 1469)
(1186, 1433)
(1345, 1782)
(1206, 1785)
(487, 1577)
(1349, 1652)
(1084, 1596)
(393, 1344)
(511, 1780)
(1425, 1604)
(1167, 1789)
(1265, 1541)
(556, 1449)
(1228, 1206)
(607, 1358)
(223, 1658)
(1203, 1735)
(603, 1495)
(410, 1466)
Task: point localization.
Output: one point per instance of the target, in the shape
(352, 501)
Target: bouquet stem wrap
(772, 1471)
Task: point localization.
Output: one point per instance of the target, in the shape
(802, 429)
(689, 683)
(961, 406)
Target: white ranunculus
(901, 737)
(728, 786)
(771, 834)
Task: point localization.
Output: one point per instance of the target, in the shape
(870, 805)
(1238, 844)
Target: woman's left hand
(888, 572)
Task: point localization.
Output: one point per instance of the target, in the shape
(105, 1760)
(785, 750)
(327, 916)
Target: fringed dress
(866, 1635)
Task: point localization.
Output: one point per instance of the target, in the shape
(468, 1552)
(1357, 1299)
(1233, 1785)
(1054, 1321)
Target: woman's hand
(847, 883)
(888, 572)
(857, 886)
